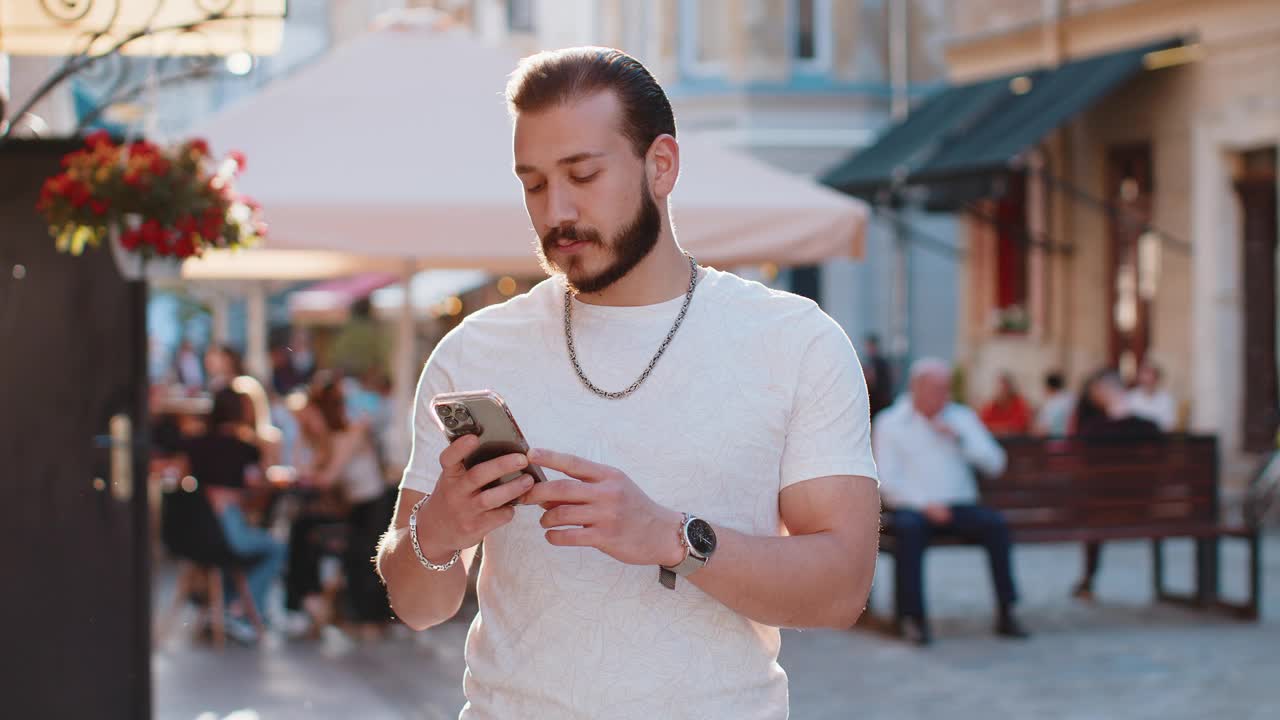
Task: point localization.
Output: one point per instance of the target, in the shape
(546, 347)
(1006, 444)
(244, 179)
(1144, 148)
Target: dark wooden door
(1129, 191)
(1256, 189)
(74, 609)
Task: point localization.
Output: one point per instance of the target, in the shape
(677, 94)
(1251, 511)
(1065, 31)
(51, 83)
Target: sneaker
(1009, 627)
(241, 631)
(915, 631)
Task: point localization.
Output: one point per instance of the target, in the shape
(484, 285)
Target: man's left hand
(604, 509)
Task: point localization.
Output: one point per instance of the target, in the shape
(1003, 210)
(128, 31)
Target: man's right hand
(460, 512)
(937, 513)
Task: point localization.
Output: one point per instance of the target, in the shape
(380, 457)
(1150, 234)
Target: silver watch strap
(667, 575)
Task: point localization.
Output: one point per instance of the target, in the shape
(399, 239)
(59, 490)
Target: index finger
(571, 465)
(458, 450)
(558, 492)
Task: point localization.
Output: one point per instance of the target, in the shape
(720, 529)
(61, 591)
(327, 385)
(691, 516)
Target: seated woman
(1008, 412)
(225, 461)
(343, 461)
(1102, 413)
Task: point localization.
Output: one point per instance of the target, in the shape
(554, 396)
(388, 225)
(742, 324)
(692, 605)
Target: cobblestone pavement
(1119, 658)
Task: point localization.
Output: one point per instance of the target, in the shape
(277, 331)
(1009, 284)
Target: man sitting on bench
(927, 449)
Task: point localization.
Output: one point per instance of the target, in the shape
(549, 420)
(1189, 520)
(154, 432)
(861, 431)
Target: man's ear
(662, 164)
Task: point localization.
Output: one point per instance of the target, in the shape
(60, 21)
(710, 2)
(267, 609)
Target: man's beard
(629, 246)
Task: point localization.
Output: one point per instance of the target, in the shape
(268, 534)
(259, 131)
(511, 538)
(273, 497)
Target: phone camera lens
(450, 423)
(443, 411)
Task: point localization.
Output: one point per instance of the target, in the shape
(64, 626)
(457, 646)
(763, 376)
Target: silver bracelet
(413, 535)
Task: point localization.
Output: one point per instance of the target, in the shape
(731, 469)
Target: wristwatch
(699, 541)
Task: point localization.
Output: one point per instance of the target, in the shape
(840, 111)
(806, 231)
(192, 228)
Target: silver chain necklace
(573, 353)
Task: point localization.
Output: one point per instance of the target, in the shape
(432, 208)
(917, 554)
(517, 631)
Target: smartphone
(484, 414)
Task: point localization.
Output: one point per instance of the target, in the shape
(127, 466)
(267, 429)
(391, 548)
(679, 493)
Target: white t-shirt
(1158, 407)
(758, 391)
(1054, 418)
(920, 466)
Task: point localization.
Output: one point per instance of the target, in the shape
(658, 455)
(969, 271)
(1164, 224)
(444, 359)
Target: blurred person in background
(1103, 414)
(927, 449)
(1008, 412)
(1054, 417)
(187, 368)
(226, 461)
(221, 366)
(1151, 401)
(879, 374)
(285, 376)
(344, 463)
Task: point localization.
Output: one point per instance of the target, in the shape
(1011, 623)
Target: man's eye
(535, 189)
(585, 179)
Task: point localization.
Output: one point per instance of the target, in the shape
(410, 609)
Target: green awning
(979, 128)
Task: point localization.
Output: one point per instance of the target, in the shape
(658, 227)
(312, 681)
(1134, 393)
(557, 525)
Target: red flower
(238, 157)
(70, 158)
(154, 234)
(130, 239)
(99, 207)
(99, 138)
(185, 247)
(78, 194)
(142, 148)
(199, 146)
(159, 166)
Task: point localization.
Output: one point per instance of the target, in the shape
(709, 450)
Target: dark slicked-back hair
(557, 77)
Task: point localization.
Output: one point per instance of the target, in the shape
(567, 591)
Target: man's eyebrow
(569, 160)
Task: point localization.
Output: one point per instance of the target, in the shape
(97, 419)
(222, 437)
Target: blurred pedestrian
(1054, 417)
(1008, 412)
(927, 449)
(1148, 399)
(879, 373)
(1103, 414)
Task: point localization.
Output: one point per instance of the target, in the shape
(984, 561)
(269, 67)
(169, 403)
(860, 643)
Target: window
(520, 16)
(704, 37)
(1012, 255)
(809, 28)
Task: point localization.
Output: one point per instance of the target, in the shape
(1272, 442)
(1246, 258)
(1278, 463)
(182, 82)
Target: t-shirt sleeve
(829, 431)
(428, 442)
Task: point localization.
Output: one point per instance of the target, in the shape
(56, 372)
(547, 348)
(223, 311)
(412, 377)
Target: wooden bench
(1075, 491)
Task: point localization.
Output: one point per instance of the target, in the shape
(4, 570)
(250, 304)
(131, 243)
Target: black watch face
(702, 539)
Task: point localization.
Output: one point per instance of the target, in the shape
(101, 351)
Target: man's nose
(562, 211)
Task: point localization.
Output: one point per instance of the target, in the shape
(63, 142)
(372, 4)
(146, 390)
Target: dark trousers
(368, 598)
(1092, 561)
(302, 576)
(912, 532)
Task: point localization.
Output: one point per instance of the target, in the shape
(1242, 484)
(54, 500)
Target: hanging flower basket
(154, 206)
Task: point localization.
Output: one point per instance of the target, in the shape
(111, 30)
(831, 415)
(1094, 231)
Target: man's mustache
(570, 233)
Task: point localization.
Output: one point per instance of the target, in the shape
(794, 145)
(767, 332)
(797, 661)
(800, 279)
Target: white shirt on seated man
(927, 449)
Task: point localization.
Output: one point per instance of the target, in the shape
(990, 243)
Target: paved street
(1121, 658)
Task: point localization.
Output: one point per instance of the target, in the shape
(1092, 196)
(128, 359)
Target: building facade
(1159, 205)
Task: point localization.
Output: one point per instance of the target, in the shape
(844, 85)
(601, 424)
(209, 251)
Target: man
(755, 420)
(927, 448)
(879, 375)
(1151, 401)
(1054, 417)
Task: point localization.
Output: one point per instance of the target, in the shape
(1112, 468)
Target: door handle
(119, 444)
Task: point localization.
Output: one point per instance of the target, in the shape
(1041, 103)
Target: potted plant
(155, 206)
